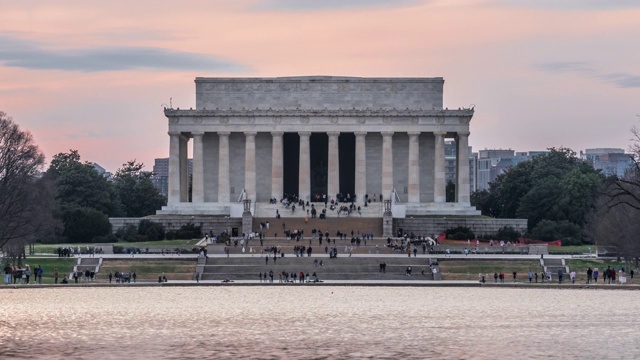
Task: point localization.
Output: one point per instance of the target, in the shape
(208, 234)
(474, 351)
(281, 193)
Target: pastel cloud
(16, 52)
(571, 5)
(314, 5)
(618, 79)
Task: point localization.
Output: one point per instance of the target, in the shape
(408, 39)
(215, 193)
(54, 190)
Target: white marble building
(260, 138)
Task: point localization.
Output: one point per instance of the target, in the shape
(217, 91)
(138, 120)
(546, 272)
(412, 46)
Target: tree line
(70, 201)
(565, 198)
(561, 196)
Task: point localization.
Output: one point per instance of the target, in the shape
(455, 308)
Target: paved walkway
(323, 255)
(386, 283)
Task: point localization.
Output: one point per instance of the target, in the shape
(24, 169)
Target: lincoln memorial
(379, 140)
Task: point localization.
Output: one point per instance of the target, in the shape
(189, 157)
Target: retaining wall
(480, 226)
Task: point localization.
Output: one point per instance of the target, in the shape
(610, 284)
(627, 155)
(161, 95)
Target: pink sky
(93, 75)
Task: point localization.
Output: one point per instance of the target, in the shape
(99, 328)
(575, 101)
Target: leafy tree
(137, 194)
(485, 202)
(23, 198)
(547, 230)
(555, 186)
(614, 222)
(83, 224)
(80, 184)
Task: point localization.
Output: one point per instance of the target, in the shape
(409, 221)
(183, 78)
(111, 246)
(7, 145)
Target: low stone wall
(121, 223)
(429, 226)
(216, 224)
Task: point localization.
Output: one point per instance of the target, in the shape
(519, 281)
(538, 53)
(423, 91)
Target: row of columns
(178, 180)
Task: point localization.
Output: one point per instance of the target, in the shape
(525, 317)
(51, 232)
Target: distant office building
(493, 162)
(160, 178)
(611, 161)
(102, 171)
(450, 164)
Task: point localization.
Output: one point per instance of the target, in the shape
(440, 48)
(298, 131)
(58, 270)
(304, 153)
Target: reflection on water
(318, 322)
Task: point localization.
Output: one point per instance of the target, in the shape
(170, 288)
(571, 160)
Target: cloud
(311, 5)
(95, 135)
(618, 79)
(571, 5)
(622, 80)
(564, 66)
(15, 52)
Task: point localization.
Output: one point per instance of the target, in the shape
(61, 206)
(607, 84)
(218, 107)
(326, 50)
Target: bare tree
(20, 164)
(614, 222)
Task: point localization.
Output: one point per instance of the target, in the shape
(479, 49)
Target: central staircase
(340, 268)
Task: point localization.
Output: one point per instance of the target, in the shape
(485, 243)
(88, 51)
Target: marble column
(462, 172)
(361, 165)
(387, 164)
(174, 168)
(277, 166)
(439, 184)
(224, 189)
(414, 167)
(184, 169)
(333, 174)
(250, 165)
(197, 189)
(304, 175)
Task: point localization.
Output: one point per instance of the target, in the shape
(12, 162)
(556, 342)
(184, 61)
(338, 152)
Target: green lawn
(469, 269)
(576, 249)
(64, 266)
(149, 269)
(581, 265)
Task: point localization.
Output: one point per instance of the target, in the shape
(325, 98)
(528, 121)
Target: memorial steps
(340, 268)
(332, 225)
(266, 210)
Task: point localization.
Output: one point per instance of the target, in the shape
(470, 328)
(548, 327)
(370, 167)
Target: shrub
(82, 224)
(129, 234)
(460, 233)
(507, 233)
(105, 239)
(151, 230)
(567, 232)
(188, 231)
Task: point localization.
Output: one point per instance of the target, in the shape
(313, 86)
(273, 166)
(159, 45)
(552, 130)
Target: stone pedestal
(387, 220)
(387, 225)
(247, 217)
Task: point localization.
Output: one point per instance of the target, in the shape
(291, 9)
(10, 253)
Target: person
(134, 276)
(514, 276)
(536, 276)
(197, 277)
(64, 280)
(595, 275)
(7, 274)
(495, 277)
(40, 272)
(27, 273)
(631, 274)
(55, 276)
(572, 276)
(110, 277)
(560, 276)
(589, 275)
(531, 276)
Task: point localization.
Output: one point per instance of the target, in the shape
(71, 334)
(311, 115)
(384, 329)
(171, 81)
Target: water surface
(319, 323)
